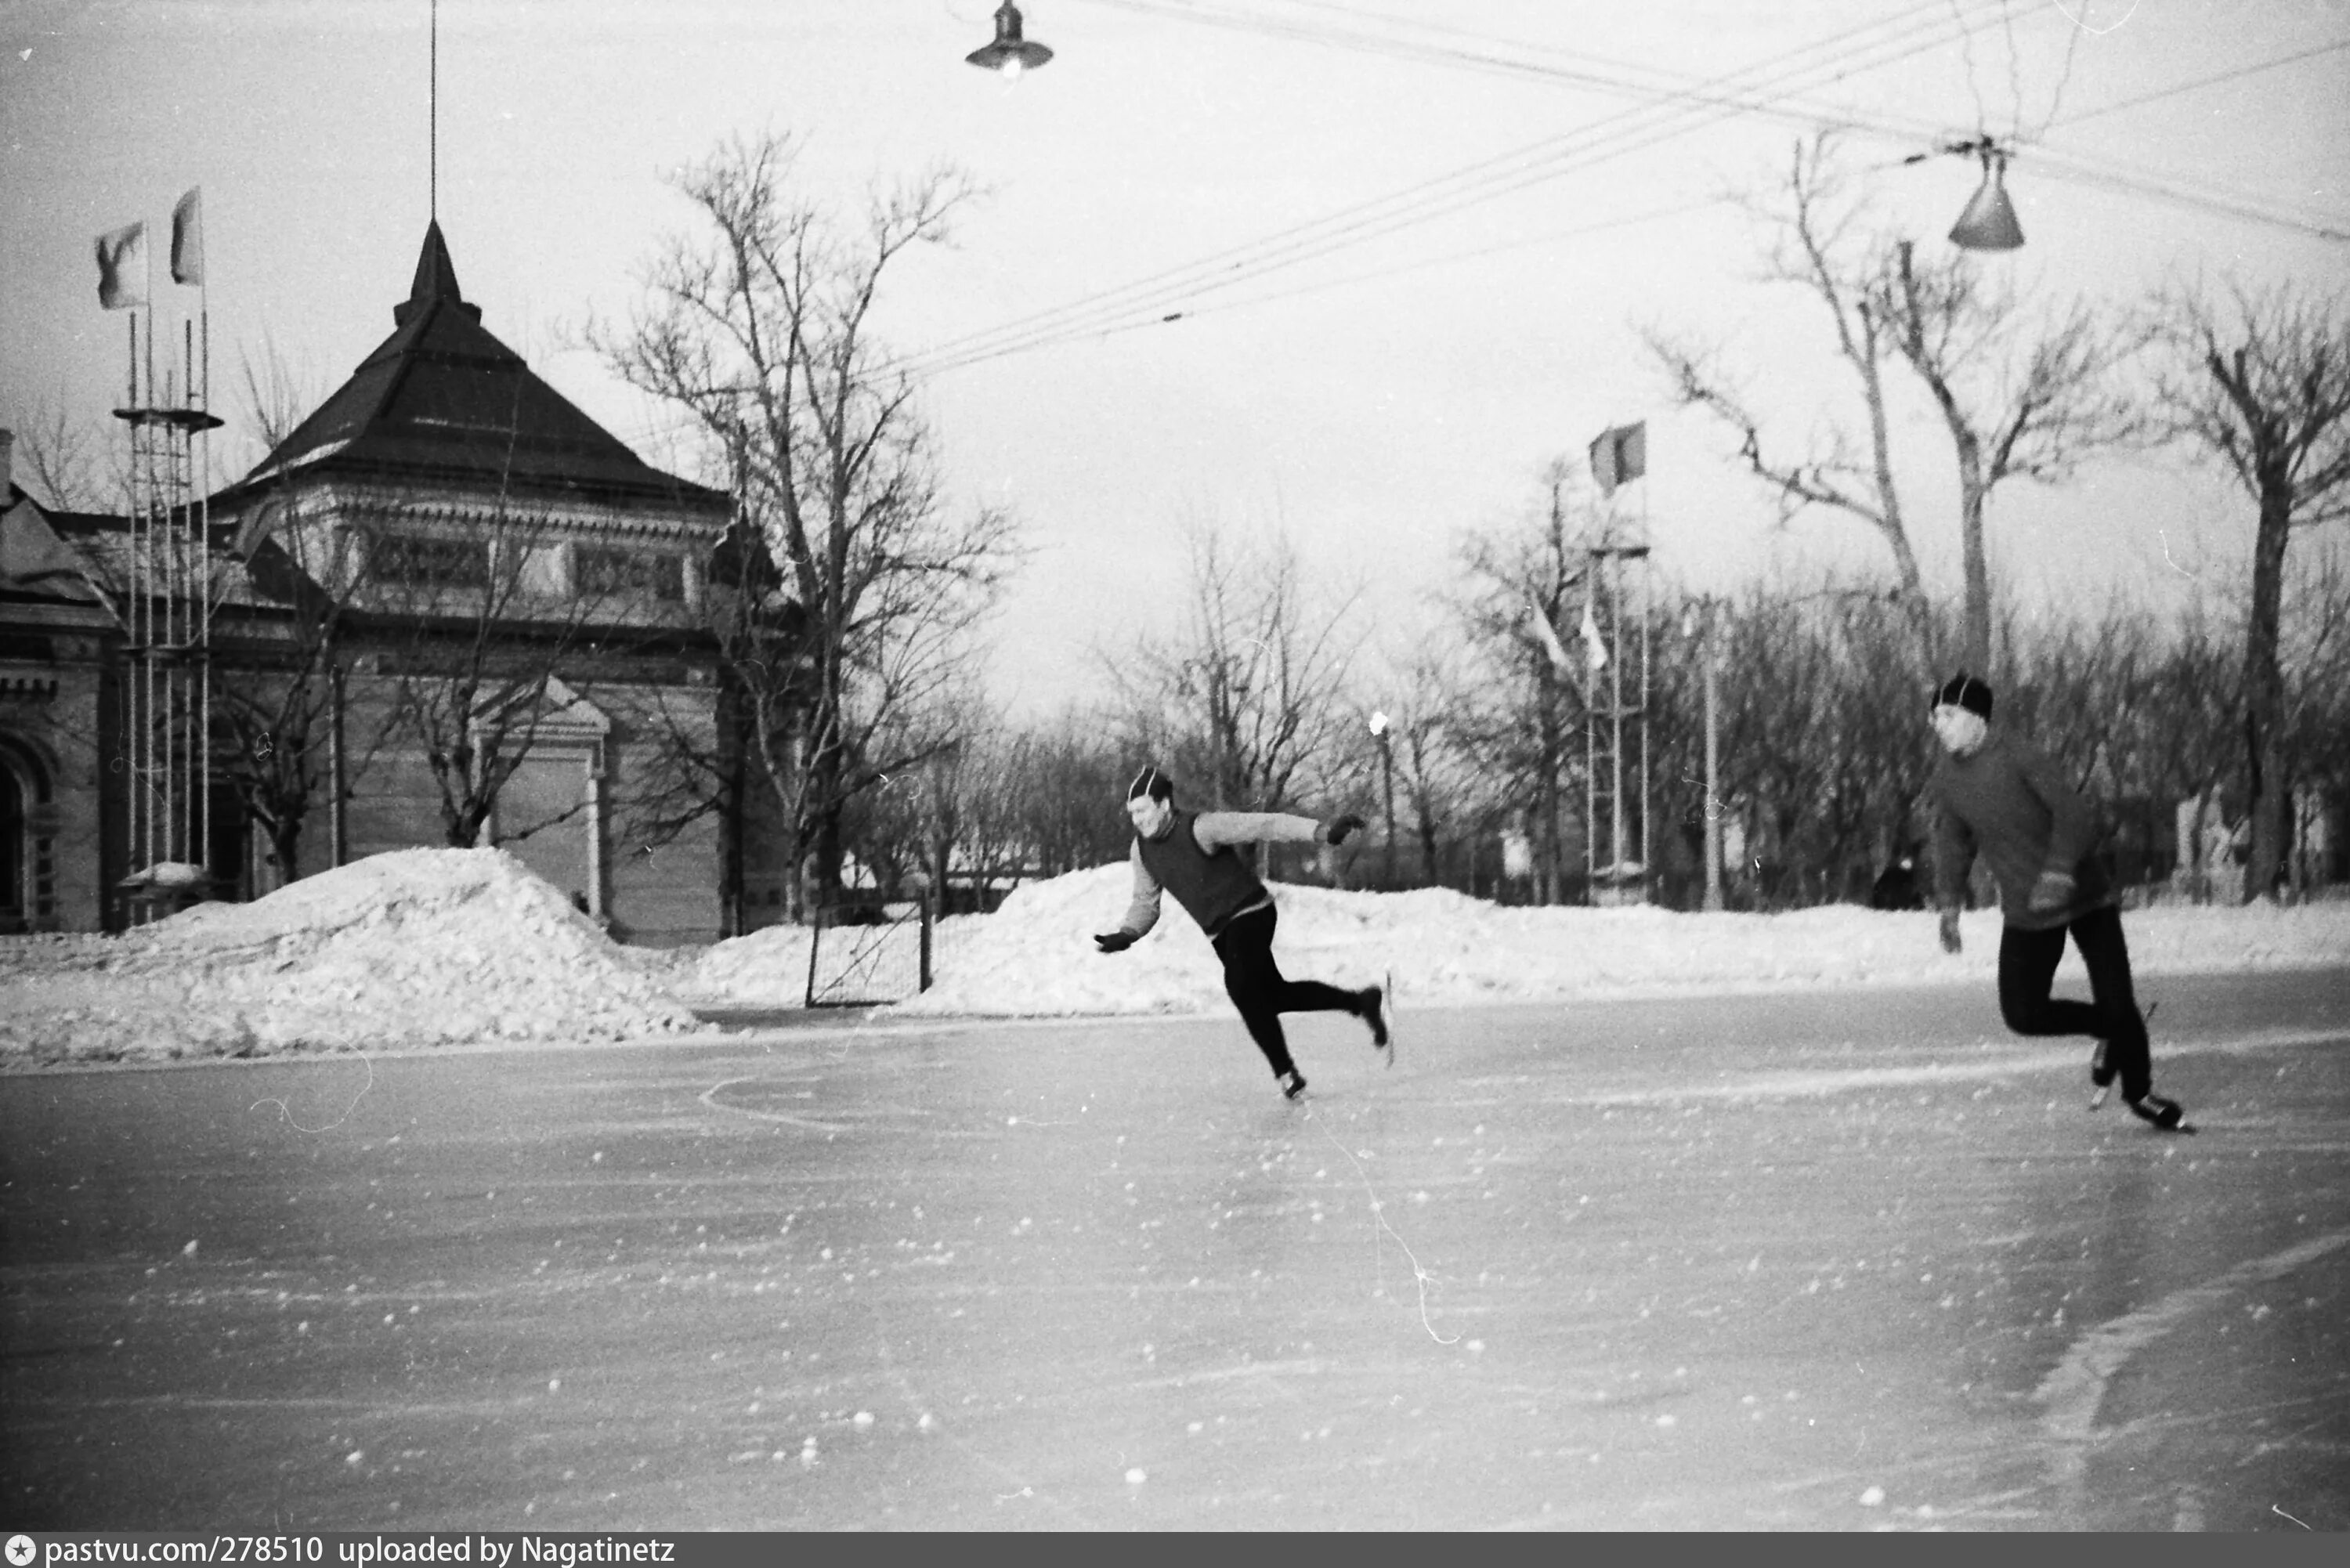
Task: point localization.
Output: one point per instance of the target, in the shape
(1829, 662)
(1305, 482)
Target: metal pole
(1647, 863)
(1386, 775)
(1712, 775)
(1616, 711)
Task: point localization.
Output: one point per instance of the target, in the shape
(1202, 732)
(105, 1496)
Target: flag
(188, 238)
(1620, 456)
(1594, 650)
(1550, 641)
(122, 268)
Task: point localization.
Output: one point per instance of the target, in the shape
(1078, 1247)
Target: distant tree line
(1821, 737)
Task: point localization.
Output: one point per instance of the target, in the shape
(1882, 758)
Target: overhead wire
(1178, 294)
(1444, 196)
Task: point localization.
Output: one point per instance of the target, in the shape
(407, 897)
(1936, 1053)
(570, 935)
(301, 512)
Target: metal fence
(861, 955)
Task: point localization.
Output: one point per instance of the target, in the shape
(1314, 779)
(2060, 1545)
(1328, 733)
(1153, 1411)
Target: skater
(1994, 793)
(1190, 855)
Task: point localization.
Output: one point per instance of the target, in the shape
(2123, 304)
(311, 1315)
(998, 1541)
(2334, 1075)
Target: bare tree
(278, 683)
(2317, 656)
(2023, 393)
(2262, 384)
(1066, 778)
(1520, 721)
(470, 629)
(855, 588)
(1821, 245)
(1425, 704)
(274, 396)
(2021, 396)
(1245, 694)
(71, 466)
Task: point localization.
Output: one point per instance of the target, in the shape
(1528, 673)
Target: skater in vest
(1190, 855)
(1995, 793)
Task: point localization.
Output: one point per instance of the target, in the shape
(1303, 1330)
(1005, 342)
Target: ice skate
(2167, 1116)
(1293, 1085)
(2101, 1070)
(1379, 1013)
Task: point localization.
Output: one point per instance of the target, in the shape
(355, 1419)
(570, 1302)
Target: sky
(431, 949)
(1408, 249)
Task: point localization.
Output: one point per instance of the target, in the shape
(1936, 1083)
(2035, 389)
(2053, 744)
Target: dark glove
(1339, 827)
(1114, 941)
(1950, 931)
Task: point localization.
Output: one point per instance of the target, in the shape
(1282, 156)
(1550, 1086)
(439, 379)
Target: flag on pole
(188, 238)
(1594, 648)
(1550, 644)
(122, 268)
(1620, 456)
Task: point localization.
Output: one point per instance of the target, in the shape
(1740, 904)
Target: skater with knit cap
(1998, 795)
(1191, 855)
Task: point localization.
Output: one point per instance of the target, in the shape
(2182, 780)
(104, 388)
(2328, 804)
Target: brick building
(446, 558)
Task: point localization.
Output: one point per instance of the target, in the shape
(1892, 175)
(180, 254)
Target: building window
(432, 563)
(606, 571)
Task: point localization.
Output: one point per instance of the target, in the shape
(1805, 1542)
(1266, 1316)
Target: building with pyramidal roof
(450, 603)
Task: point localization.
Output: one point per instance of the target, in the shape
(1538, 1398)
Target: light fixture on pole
(1989, 223)
(1386, 779)
(1010, 53)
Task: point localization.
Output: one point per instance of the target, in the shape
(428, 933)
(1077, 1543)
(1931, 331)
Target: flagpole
(204, 584)
(433, 157)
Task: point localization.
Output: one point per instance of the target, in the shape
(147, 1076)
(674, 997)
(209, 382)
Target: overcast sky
(1522, 187)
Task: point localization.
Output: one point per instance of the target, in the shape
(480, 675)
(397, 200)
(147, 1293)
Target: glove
(1339, 827)
(2052, 892)
(1114, 941)
(1951, 942)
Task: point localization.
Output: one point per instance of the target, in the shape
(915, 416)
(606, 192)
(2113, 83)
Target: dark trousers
(1257, 988)
(2027, 967)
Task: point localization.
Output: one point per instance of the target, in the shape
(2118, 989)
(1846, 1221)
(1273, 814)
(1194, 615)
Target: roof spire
(436, 278)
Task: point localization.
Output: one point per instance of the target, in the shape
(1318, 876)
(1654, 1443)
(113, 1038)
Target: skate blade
(1387, 1016)
(2097, 1100)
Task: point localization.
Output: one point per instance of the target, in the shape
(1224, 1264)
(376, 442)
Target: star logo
(21, 1550)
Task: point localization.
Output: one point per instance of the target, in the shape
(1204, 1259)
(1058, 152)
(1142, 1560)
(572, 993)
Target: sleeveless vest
(1211, 889)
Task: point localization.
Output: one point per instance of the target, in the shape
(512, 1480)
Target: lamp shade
(1010, 53)
(1989, 223)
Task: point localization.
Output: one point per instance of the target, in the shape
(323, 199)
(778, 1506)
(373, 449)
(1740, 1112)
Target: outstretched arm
(1215, 829)
(1140, 915)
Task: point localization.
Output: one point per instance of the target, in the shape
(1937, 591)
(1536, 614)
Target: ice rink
(1842, 1261)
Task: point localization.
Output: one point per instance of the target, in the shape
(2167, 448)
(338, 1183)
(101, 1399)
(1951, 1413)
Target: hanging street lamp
(1989, 223)
(1010, 53)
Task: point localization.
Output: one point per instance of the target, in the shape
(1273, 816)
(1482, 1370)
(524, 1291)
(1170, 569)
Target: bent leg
(2099, 935)
(1299, 995)
(1253, 983)
(2027, 969)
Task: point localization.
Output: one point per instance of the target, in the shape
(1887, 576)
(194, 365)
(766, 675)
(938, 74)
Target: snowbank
(432, 946)
(416, 947)
(1035, 956)
(766, 969)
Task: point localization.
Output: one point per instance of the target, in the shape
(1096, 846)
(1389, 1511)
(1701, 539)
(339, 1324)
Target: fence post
(925, 905)
(815, 940)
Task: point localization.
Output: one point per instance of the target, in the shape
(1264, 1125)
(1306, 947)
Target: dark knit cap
(1964, 690)
(1153, 783)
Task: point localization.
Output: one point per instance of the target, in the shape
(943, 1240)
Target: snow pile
(769, 967)
(430, 947)
(415, 947)
(1035, 955)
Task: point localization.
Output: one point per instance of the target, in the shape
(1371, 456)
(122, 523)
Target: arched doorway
(17, 795)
